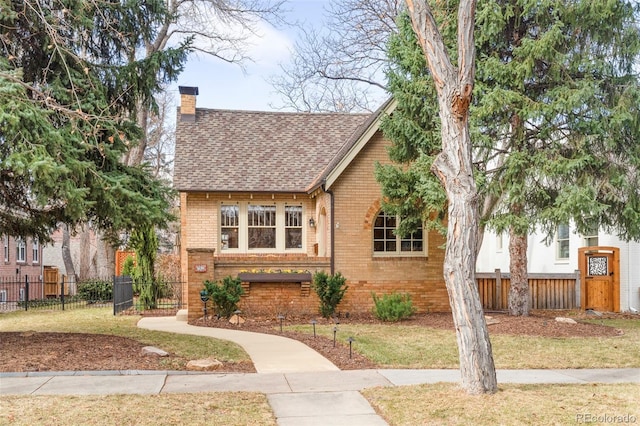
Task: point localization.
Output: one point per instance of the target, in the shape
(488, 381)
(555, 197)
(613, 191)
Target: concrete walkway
(269, 353)
(303, 388)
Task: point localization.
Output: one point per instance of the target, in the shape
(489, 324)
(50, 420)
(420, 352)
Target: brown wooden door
(600, 272)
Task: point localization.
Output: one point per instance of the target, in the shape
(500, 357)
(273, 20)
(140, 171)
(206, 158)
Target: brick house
(22, 258)
(293, 191)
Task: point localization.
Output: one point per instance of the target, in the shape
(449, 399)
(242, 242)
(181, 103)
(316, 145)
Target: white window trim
(399, 252)
(21, 250)
(35, 251)
(6, 248)
(558, 240)
(243, 228)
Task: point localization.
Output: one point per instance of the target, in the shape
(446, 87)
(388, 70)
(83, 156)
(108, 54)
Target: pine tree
(555, 123)
(68, 95)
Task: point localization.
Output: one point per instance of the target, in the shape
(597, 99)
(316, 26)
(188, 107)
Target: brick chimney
(188, 103)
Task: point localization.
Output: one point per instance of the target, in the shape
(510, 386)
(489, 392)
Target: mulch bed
(33, 351)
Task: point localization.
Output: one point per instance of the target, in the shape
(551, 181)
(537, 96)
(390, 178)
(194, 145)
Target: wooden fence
(546, 291)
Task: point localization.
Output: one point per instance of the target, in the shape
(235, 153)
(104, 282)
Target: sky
(228, 86)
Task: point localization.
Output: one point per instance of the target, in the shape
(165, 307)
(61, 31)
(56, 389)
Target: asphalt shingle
(225, 150)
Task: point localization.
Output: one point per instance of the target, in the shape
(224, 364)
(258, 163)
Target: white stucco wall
(542, 259)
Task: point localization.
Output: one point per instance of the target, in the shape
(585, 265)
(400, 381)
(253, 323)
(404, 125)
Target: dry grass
(447, 404)
(102, 321)
(399, 346)
(230, 408)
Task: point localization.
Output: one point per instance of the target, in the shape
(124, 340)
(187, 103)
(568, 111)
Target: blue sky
(227, 86)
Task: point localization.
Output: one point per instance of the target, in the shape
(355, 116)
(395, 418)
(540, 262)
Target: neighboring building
(294, 191)
(22, 260)
(21, 257)
(566, 253)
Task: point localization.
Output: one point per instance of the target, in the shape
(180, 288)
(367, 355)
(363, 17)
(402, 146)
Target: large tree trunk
(474, 347)
(454, 168)
(519, 288)
(69, 267)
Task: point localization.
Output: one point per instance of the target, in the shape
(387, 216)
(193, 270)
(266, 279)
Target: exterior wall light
(312, 223)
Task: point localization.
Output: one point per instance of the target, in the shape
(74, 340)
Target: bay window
(261, 227)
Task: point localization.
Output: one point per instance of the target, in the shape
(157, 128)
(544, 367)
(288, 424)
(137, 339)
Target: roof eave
(333, 174)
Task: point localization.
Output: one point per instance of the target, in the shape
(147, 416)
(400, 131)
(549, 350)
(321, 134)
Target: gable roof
(250, 151)
(353, 146)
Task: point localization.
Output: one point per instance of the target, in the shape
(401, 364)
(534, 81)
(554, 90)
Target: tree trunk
(85, 253)
(474, 347)
(69, 268)
(454, 168)
(105, 257)
(519, 288)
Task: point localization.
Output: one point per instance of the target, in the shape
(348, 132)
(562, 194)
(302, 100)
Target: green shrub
(128, 266)
(330, 291)
(393, 307)
(225, 296)
(96, 290)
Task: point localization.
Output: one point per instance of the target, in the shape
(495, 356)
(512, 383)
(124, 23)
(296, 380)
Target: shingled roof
(250, 151)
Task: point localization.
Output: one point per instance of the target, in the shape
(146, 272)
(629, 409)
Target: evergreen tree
(555, 122)
(145, 243)
(69, 89)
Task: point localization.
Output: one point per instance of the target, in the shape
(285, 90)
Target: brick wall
(357, 202)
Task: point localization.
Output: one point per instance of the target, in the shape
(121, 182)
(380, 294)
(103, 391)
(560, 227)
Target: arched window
(386, 242)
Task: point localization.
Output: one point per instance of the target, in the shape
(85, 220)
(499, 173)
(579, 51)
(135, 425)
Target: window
(591, 238)
(21, 250)
(562, 242)
(35, 251)
(385, 241)
(21, 295)
(6, 248)
(229, 227)
(3, 296)
(293, 227)
(261, 227)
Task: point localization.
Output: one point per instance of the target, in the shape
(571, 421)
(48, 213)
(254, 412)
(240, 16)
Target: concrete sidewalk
(298, 398)
(303, 388)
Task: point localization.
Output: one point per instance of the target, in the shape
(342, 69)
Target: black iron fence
(121, 293)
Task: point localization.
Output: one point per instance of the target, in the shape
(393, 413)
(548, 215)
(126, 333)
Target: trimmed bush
(330, 291)
(225, 296)
(96, 290)
(393, 307)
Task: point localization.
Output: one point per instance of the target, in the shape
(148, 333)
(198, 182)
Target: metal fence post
(114, 295)
(62, 292)
(26, 293)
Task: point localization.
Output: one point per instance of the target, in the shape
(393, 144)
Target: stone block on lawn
(566, 320)
(491, 320)
(236, 319)
(209, 364)
(153, 351)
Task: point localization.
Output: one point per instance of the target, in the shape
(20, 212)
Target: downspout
(332, 232)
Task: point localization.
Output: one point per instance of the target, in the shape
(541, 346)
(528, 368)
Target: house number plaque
(200, 268)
